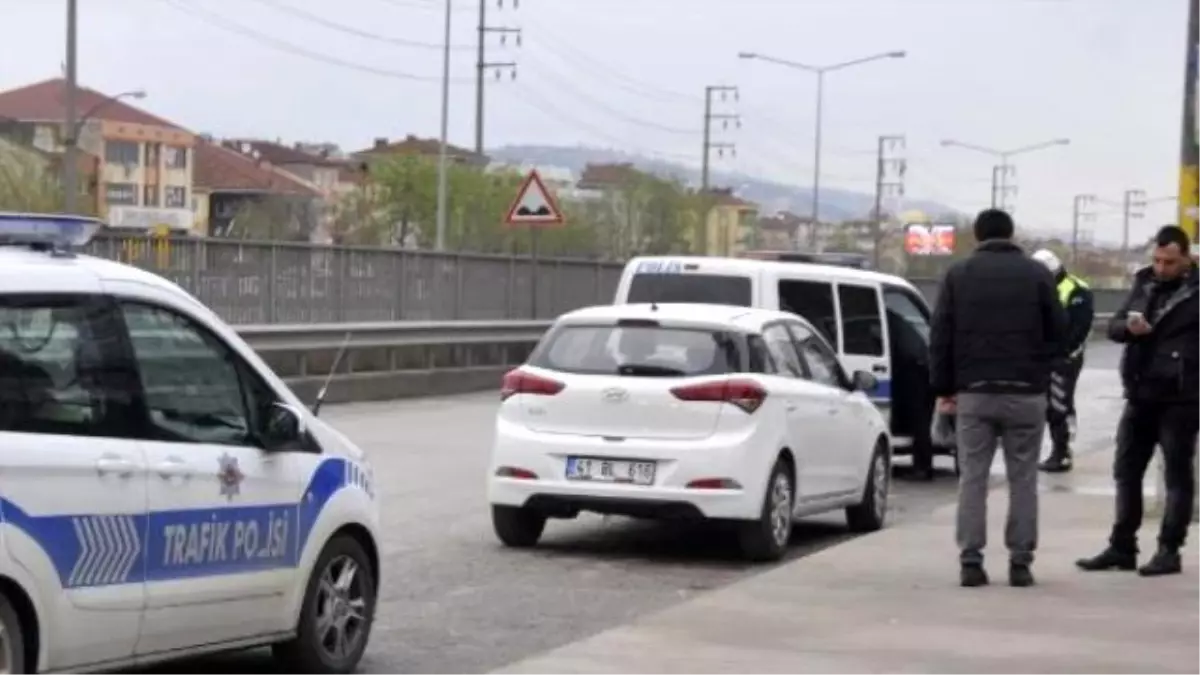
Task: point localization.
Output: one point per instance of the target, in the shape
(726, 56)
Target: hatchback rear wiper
(647, 369)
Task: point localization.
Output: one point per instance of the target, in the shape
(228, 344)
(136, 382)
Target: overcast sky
(630, 73)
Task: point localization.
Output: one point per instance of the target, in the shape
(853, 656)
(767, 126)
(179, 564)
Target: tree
(27, 181)
(274, 218)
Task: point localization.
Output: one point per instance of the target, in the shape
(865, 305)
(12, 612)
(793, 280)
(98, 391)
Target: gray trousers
(1017, 422)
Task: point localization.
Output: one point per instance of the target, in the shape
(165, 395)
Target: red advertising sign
(929, 240)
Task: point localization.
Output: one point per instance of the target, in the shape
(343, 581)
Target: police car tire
(14, 634)
(302, 654)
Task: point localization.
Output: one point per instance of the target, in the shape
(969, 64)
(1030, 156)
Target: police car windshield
(639, 351)
(710, 289)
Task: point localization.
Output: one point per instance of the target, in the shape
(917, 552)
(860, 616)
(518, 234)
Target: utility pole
(1079, 212)
(70, 138)
(724, 91)
(1133, 207)
(440, 241)
(889, 179)
(1001, 188)
(482, 65)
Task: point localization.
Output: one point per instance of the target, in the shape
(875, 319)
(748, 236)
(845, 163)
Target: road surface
(453, 600)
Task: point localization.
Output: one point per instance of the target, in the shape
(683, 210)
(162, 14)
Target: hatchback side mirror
(864, 381)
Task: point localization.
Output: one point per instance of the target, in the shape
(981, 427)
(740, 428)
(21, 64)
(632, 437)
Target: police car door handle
(115, 464)
(173, 467)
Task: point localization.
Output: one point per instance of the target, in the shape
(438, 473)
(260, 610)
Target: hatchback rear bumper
(747, 460)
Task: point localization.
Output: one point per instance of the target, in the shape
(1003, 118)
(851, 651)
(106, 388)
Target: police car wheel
(12, 639)
(335, 619)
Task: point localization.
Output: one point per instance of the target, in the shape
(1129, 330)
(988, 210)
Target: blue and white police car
(163, 494)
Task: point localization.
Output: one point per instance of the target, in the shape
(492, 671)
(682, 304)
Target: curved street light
(820, 71)
(1001, 172)
(71, 144)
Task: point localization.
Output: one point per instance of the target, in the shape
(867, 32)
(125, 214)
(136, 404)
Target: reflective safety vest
(1066, 287)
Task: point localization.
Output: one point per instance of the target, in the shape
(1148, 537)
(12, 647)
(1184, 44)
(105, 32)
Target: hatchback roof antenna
(337, 361)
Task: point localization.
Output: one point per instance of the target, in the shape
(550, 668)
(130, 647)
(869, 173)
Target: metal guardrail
(389, 360)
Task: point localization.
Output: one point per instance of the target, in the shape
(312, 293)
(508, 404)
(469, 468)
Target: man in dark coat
(997, 331)
(1159, 324)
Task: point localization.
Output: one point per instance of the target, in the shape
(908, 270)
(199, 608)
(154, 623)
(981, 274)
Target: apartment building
(144, 163)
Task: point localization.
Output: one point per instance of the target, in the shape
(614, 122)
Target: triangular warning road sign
(534, 204)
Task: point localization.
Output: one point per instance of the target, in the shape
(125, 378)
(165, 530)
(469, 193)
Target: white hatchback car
(687, 411)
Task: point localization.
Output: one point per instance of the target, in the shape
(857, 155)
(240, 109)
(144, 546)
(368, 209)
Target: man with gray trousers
(998, 329)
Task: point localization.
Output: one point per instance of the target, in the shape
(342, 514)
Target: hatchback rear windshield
(639, 351)
(711, 289)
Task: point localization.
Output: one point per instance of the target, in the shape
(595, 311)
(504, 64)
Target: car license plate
(610, 470)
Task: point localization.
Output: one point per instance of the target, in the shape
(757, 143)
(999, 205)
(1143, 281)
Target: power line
(709, 116)
(533, 100)
(351, 30)
(290, 48)
(568, 52)
(563, 84)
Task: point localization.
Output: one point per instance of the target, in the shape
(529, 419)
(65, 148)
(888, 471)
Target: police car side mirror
(864, 381)
(283, 428)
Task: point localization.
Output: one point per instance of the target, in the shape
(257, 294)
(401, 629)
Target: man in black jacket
(997, 331)
(1160, 328)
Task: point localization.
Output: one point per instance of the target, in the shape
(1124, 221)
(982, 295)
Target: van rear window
(645, 351)
(709, 289)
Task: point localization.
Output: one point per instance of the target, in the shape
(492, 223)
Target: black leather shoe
(1165, 561)
(1020, 576)
(1056, 463)
(973, 575)
(1109, 559)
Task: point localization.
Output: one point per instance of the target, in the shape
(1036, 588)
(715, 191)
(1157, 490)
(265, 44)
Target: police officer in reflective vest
(1076, 298)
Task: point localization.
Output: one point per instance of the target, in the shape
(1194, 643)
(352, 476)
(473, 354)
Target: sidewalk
(890, 602)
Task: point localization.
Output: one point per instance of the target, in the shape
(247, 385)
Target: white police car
(162, 493)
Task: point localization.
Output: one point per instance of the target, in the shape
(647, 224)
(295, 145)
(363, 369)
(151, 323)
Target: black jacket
(1081, 317)
(1161, 366)
(998, 326)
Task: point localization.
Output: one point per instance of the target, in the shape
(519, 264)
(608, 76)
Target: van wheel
(870, 514)
(517, 527)
(766, 539)
(337, 613)
(12, 639)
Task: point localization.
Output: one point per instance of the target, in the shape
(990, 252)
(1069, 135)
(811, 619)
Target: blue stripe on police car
(99, 550)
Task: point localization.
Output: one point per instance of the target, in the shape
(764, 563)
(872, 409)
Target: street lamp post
(440, 241)
(1000, 173)
(820, 73)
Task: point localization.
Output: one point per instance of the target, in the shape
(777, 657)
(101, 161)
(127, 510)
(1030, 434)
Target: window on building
(122, 152)
(153, 150)
(150, 195)
(176, 157)
(862, 328)
(176, 197)
(121, 194)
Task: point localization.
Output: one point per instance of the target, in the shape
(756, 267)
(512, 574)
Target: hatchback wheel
(517, 527)
(336, 616)
(870, 513)
(766, 539)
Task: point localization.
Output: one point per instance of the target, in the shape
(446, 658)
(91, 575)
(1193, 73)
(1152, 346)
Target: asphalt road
(453, 600)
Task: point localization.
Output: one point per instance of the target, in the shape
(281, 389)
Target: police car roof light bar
(57, 233)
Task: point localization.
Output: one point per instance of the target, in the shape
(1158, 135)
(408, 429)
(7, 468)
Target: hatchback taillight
(524, 382)
(745, 394)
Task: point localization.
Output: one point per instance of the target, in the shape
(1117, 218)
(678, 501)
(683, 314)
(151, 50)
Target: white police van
(875, 321)
(162, 493)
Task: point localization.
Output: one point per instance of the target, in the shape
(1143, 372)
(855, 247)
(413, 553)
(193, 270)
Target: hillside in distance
(771, 196)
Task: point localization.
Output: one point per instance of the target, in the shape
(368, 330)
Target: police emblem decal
(230, 476)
